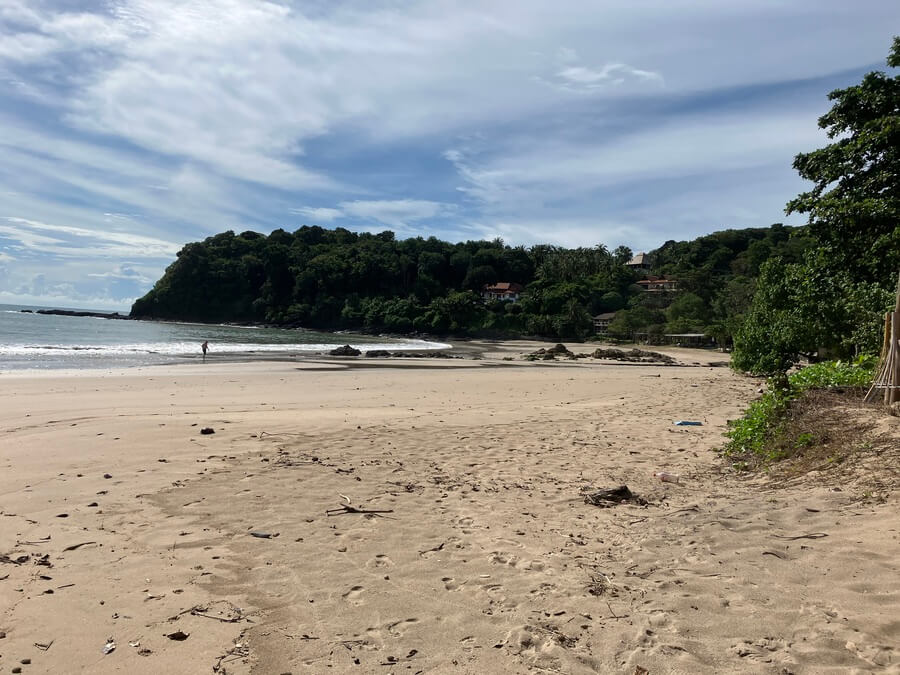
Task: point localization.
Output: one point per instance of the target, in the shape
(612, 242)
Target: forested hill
(337, 279)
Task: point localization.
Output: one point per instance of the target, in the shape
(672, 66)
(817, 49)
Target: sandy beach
(424, 516)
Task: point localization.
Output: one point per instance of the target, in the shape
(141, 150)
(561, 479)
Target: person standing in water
(205, 348)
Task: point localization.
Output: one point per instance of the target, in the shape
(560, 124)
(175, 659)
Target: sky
(131, 127)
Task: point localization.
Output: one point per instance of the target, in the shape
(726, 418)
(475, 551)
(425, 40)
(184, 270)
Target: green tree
(687, 313)
(622, 254)
(832, 301)
(854, 205)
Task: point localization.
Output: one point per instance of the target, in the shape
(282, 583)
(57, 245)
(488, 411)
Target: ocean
(47, 342)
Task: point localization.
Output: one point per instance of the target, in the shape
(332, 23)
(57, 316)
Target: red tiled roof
(504, 287)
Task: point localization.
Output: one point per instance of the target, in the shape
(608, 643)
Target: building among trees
(508, 291)
(641, 261)
(602, 321)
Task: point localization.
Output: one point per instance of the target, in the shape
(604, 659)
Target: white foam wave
(188, 348)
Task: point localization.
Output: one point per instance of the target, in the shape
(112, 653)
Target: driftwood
(346, 508)
(74, 547)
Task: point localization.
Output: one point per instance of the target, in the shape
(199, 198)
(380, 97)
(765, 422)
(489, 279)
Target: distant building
(508, 291)
(602, 321)
(658, 285)
(641, 261)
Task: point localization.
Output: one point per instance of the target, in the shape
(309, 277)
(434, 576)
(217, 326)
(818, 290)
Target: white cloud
(530, 171)
(583, 78)
(318, 214)
(64, 295)
(396, 213)
(243, 87)
(85, 282)
(142, 124)
(573, 76)
(123, 272)
(68, 241)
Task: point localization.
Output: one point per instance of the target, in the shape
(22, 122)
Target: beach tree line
(337, 279)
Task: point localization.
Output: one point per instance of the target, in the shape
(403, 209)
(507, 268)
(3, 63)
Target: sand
(485, 557)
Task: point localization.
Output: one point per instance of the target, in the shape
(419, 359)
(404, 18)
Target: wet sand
(120, 519)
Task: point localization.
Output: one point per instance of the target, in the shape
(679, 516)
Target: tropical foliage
(752, 438)
(832, 300)
(337, 279)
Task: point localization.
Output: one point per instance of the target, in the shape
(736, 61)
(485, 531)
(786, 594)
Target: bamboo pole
(897, 303)
(893, 388)
(893, 379)
(882, 359)
(888, 375)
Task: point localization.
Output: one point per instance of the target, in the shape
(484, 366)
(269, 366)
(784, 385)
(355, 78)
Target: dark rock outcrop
(346, 350)
(69, 312)
(632, 356)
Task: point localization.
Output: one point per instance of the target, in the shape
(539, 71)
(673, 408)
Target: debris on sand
(613, 496)
(206, 431)
(667, 477)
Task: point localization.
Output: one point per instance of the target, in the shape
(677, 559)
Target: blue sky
(130, 127)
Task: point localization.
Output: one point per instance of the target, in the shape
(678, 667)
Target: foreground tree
(835, 297)
(854, 205)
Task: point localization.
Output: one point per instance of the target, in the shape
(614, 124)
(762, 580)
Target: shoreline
(491, 352)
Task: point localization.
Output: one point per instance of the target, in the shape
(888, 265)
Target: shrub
(753, 436)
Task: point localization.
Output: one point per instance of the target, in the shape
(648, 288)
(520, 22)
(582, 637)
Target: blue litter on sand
(686, 423)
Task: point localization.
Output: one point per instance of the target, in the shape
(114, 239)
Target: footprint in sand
(398, 628)
(537, 651)
(876, 655)
(380, 561)
(494, 590)
(466, 524)
(543, 590)
(501, 558)
(354, 595)
(765, 649)
(450, 584)
(395, 629)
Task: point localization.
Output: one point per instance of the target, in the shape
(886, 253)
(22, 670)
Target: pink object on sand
(666, 477)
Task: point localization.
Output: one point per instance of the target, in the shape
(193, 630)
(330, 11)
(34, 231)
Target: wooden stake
(893, 375)
(888, 375)
(893, 379)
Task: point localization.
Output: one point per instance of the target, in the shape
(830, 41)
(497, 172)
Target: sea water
(42, 341)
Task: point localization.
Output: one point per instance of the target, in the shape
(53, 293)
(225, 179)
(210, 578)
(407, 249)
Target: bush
(752, 437)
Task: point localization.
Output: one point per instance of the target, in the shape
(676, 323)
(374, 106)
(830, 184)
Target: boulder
(346, 350)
